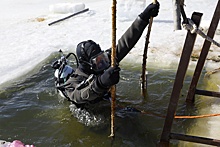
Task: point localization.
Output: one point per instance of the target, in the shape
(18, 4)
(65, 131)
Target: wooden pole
(113, 55)
(176, 15)
(143, 76)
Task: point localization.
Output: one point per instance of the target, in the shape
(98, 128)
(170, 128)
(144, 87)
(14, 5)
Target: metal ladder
(167, 135)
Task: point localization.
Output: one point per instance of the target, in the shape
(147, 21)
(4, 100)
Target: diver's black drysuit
(83, 88)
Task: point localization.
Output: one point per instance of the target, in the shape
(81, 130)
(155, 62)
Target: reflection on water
(31, 111)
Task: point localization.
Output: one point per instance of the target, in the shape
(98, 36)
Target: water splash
(85, 117)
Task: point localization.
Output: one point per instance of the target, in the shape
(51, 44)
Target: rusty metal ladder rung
(207, 93)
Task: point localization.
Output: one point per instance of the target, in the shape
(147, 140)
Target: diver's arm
(130, 38)
(134, 32)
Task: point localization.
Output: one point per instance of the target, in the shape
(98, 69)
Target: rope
(191, 26)
(198, 116)
(132, 109)
(113, 55)
(178, 117)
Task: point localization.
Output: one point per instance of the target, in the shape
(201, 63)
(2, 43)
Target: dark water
(32, 111)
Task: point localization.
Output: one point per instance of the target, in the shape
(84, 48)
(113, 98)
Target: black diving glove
(152, 10)
(109, 77)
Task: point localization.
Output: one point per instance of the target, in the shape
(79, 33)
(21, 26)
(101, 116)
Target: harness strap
(80, 73)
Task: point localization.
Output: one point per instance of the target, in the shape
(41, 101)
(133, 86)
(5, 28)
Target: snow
(66, 7)
(26, 39)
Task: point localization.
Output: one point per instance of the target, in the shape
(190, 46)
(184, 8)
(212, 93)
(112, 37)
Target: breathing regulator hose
(63, 60)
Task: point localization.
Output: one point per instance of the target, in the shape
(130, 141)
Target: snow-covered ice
(26, 39)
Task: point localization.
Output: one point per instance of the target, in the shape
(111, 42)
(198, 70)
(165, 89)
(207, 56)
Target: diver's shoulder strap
(80, 73)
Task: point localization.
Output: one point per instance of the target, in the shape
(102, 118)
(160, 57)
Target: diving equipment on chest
(63, 71)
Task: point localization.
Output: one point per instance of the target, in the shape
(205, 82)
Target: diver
(94, 76)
